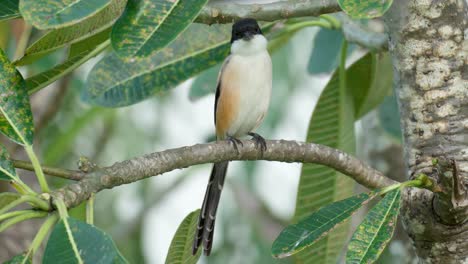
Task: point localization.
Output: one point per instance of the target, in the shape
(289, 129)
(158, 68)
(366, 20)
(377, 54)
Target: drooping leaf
(93, 245)
(332, 124)
(149, 25)
(58, 38)
(114, 82)
(19, 259)
(389, 117)
(325, 55)
(7, 197)
(370, 80)
(14, 104)
(374, 233)
(41, 80)
(9, 9)
(359, 9)
(7, 170)
(297, 237)
(47, 14)
(180, 250)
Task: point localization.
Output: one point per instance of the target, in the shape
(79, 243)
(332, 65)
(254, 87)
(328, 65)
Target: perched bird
(242, 99)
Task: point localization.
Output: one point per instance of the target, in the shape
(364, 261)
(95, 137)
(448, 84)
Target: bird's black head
(245, 29)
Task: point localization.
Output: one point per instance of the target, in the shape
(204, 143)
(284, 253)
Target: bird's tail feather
(206, 220)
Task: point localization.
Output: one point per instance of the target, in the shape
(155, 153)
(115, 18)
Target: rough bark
(429, 50)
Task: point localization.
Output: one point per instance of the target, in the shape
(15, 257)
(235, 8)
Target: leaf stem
(309, 23)
(390, 188)
(335, 23)
(42, 233)
(90, 209)
(37, 168)
(21, 187)
(36, 201)
(14, 214)
(33, 214)
(64, 215)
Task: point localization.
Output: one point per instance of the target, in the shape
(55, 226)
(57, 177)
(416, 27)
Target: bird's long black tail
(206, 220)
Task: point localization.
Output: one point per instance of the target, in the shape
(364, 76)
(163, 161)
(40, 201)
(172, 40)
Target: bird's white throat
(249, 47)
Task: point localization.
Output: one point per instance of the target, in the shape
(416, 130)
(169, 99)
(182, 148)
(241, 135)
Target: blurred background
(259, 198)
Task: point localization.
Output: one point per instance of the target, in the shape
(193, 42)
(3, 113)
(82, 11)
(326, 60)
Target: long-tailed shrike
(242, 99)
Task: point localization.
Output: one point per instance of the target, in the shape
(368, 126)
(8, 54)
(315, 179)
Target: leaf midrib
(350, 209)
(164, 65)
(380, 226)
(143, 43)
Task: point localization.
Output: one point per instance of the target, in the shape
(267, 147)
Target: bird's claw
(235, 142)
(259, 141)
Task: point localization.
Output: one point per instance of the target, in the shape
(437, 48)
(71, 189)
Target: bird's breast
(250, 82)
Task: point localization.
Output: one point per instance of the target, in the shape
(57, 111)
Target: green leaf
(46, 14)
(93, 245)
(9, 9)
(359, 9)
(389, 117)
(325, 55)
(19, 259)
(114, 82)
(14, 104)
(370, 80)
(180, 250)
(7, 170)
(149, 25)
(332, 124)
(88, 44)
(8, 197)
(58, 38)
(77, 57)
(374, 233)
(297, 237)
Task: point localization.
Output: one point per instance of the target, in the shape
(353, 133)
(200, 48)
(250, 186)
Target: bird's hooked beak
(248, 36)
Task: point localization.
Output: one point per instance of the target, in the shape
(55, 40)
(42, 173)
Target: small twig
(57, 172)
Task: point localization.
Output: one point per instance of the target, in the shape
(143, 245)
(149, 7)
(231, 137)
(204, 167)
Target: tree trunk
(429, 49)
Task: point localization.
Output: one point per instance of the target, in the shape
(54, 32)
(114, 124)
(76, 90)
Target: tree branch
(229, 12)
(164, 161)
(61, 173)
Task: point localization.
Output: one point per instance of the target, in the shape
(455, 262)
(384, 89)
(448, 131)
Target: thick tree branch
(164, 161)
(229, 12)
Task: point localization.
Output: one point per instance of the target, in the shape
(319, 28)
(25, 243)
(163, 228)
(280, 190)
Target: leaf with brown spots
(374, 233)
(114, 82)
(359, 9)
(47, 14)
(149, 25)
(14, 104)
